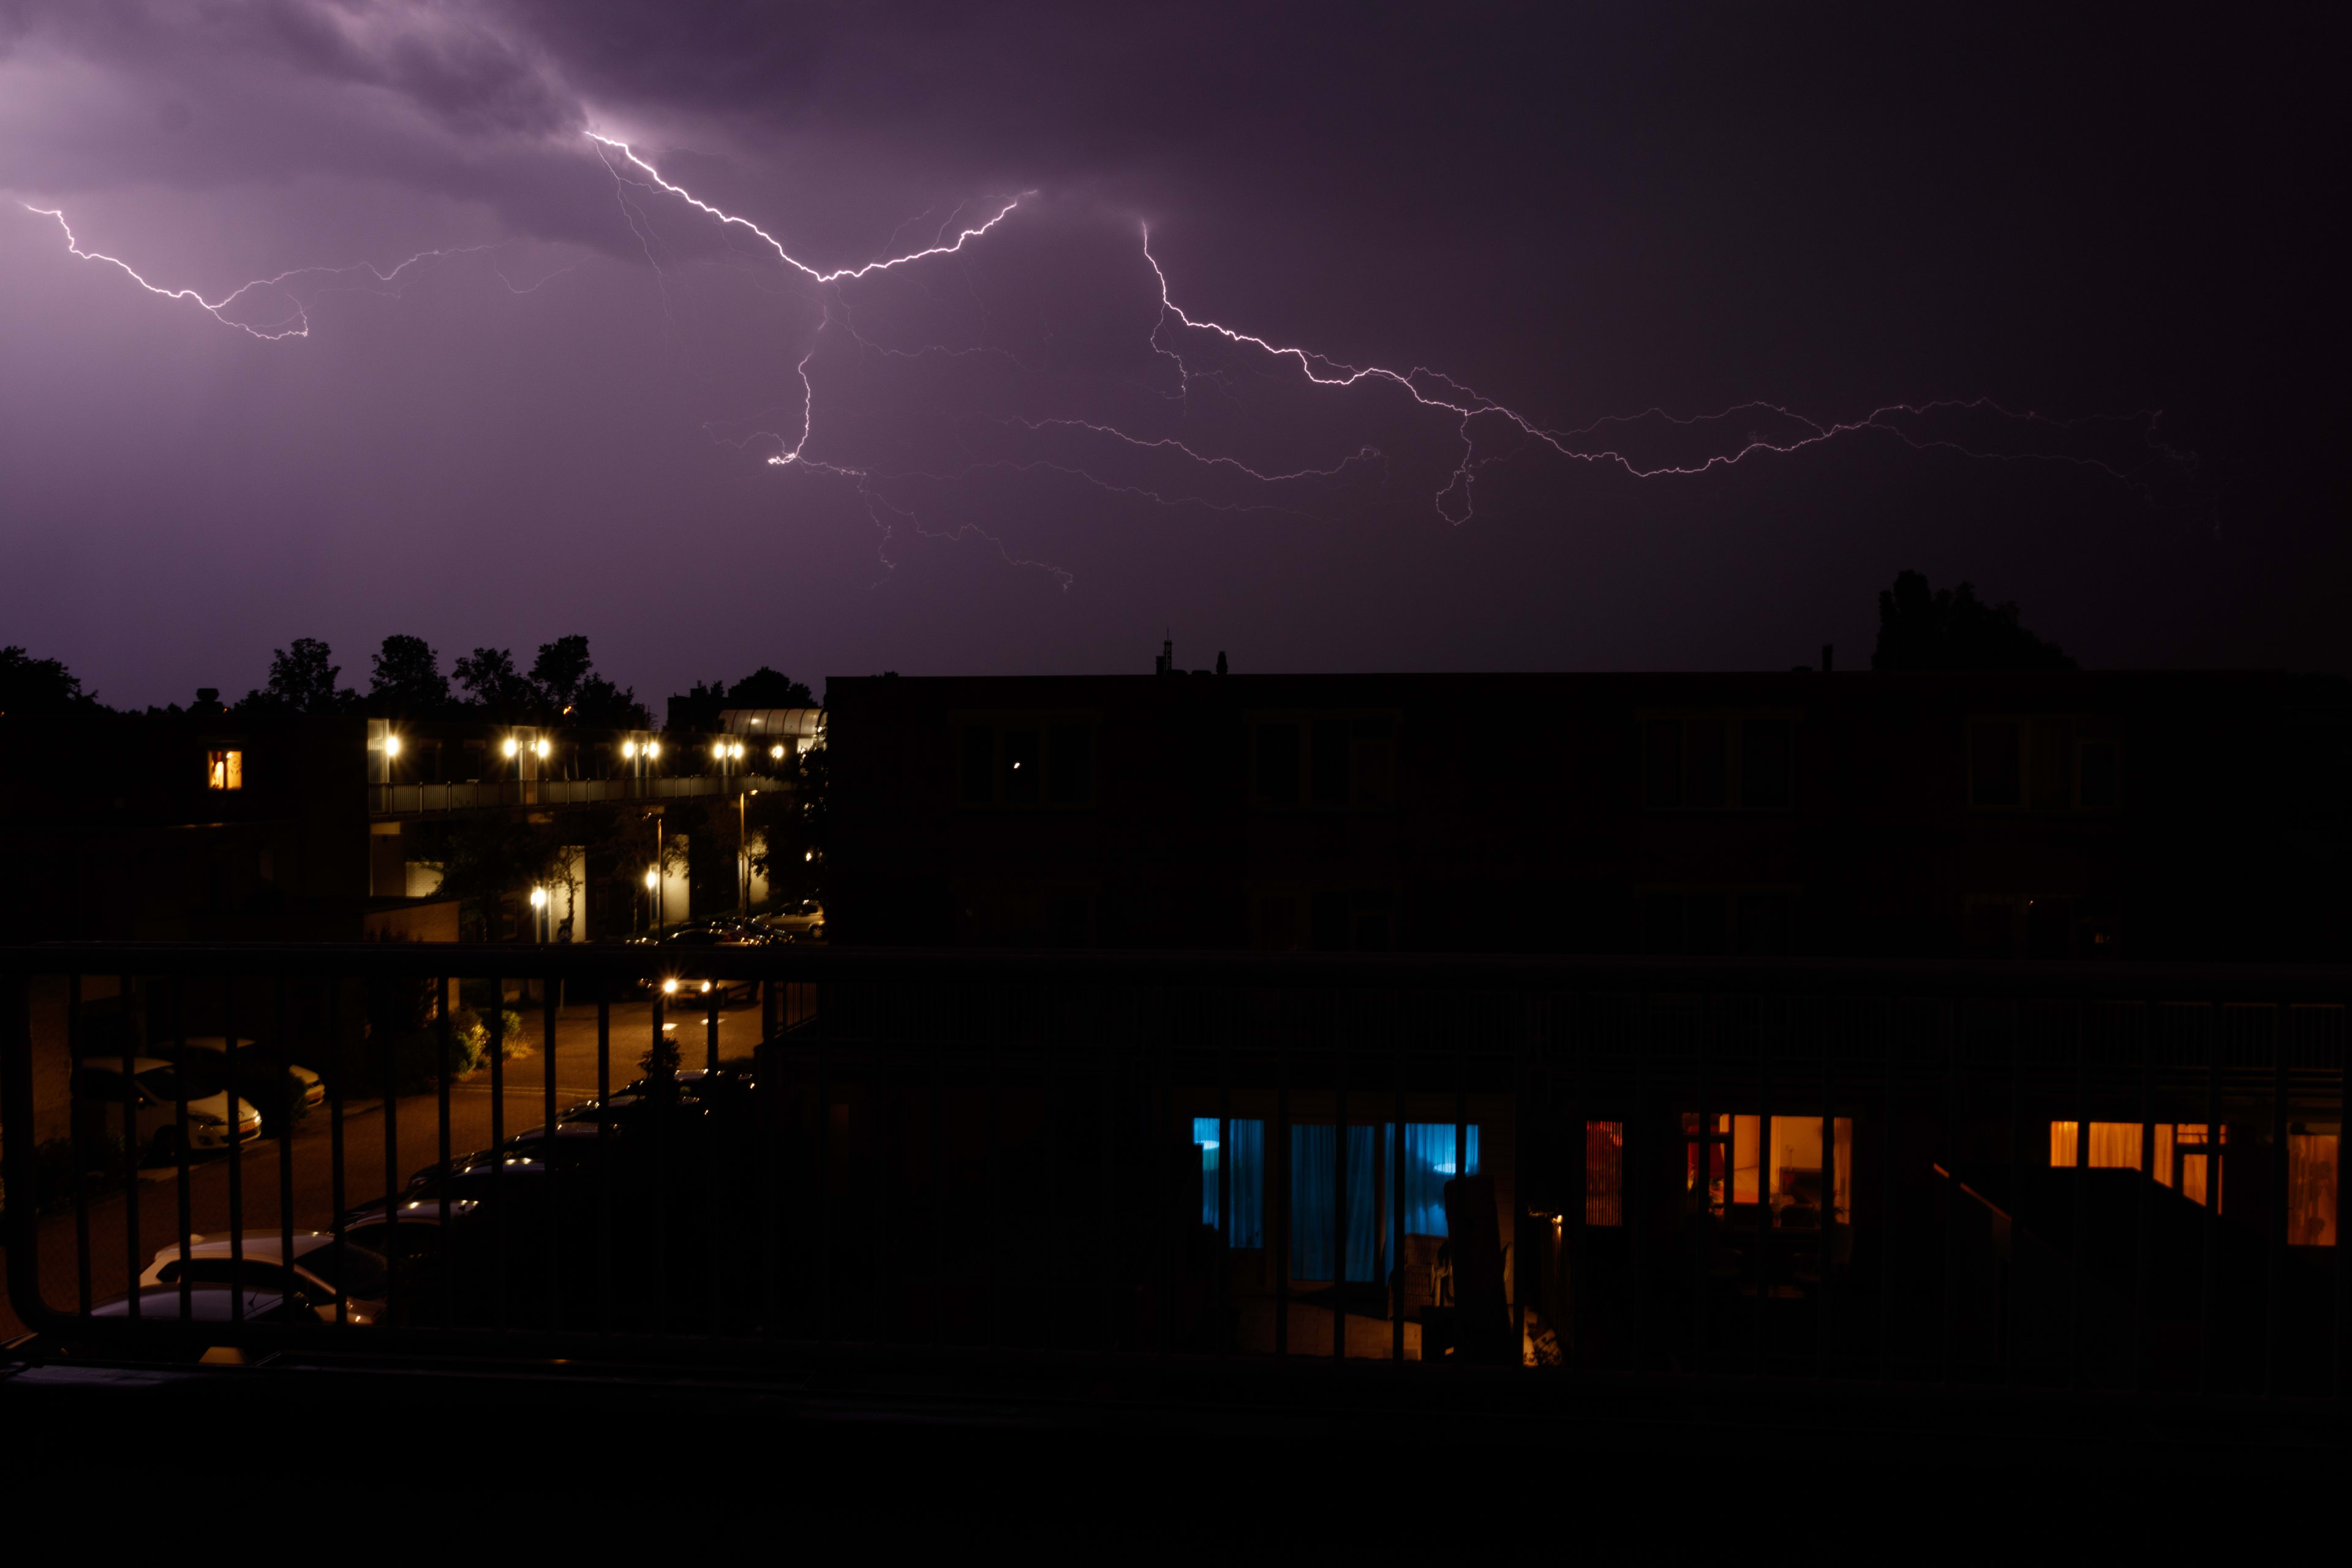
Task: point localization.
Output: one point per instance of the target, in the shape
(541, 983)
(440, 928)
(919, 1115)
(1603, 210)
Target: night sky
(2112, 224)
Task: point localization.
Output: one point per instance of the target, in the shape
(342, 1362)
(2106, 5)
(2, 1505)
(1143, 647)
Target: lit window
(1792, 1178)
(1246, 1173)
(2310, 1172)
(2182, 1154)
(225, 770)
(1604, 1172)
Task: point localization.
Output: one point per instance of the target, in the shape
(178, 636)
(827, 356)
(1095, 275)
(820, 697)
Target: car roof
(207, 1303)
(114, 1064)
(260, 1245)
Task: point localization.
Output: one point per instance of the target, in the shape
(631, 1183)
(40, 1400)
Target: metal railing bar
(290, 1109)
(498, 1231)
(335, 1147)
(180, 1144)
(74, 1143)
(235, 1099)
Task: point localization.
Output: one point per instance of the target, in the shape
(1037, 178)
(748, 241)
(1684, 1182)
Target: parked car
(153, 1089)
(285, 1096)
(721, 931)
(318, 1265)
(803, 919)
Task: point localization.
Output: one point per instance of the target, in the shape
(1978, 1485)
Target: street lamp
(539, 911)
(653, 886)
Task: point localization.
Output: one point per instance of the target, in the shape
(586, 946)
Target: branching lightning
(1488, 431)
(298, 325)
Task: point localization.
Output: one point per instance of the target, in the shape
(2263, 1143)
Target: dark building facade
(1997, 816)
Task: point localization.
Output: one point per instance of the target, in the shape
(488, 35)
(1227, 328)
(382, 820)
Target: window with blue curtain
(1245, 1160)
(1314, 1202)
(1429, 1164)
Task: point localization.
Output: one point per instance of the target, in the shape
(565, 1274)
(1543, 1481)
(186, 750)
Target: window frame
(1362, 732)
(1045, 724)
(1733, 797)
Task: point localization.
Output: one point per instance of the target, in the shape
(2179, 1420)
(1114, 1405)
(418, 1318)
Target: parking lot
(573, 1067)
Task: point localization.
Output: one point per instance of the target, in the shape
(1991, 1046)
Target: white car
(311, 1278)
(153, 1089)
(803, 918)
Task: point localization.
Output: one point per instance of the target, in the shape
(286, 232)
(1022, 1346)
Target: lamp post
(653, 877)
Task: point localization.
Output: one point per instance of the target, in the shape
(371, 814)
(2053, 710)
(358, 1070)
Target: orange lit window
(1792, 1176)
(2114, 1145)
(2311, 1170)
(2182, 1155)
(1604, 1172)
(225, 770)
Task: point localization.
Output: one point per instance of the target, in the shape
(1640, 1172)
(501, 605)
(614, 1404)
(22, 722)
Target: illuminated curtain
(1428, 1166)
(1604, 1172)
(2311, 1172)
(1313, 1201)
(2114, 1145)
(1247, 1157)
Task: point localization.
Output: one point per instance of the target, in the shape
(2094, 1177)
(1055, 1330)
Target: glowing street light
(509, 747)
(392, 745)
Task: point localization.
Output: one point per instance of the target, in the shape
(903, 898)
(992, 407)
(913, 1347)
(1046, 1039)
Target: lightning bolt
(295, 326)
(1479, 421)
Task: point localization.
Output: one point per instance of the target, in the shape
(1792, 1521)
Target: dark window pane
(1330, 780)
(1703, 932)
(1987, 931)
(1069, 922)
(1764, 764)
(1073, 765)
(1023, 764)
(978, 765)
(2101, 768)
(1662, 763)
(1330, 920)
(1996, 769)
(1703, 779)
(1764, 923)
(1661, 923)
(1278, 764)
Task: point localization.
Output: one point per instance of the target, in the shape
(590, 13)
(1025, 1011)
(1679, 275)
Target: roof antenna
(1166, 663)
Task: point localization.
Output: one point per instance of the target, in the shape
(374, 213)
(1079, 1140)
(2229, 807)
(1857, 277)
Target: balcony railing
(423, 799)
(1841, 1172)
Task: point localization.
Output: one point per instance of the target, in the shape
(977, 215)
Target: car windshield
(163, 1083)
(361, 1271)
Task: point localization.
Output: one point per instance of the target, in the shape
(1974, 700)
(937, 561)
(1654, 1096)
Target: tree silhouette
(29, 685)
(408, 678)
(1919, 628)
(301, 681)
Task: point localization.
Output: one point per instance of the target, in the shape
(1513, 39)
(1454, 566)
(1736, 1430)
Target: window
(2098, 775)
(1024, 770)
(1025, 764)
(1355, 921)
(1372, 1173)
(1661, 769)
(225, 770)
(1245, 1173)
(1996, 763)
(2183, 1158)
(978, 765)
(1332, 761)
(1764, 764)
(1604, 1172)
(1278, 764)
(1792, 1176)
(1687, 764)
(1330, 774)
(2312, 1155)
(1072, 765)
(1707, 923)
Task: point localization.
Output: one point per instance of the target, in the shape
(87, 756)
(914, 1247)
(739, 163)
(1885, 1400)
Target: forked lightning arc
(1470, 410)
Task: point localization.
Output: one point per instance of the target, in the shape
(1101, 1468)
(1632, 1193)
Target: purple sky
(1582, 214)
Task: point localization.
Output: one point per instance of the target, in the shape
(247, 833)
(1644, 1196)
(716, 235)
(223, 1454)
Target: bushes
(415, 1051)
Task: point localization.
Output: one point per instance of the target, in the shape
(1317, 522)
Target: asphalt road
(265, 1176)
